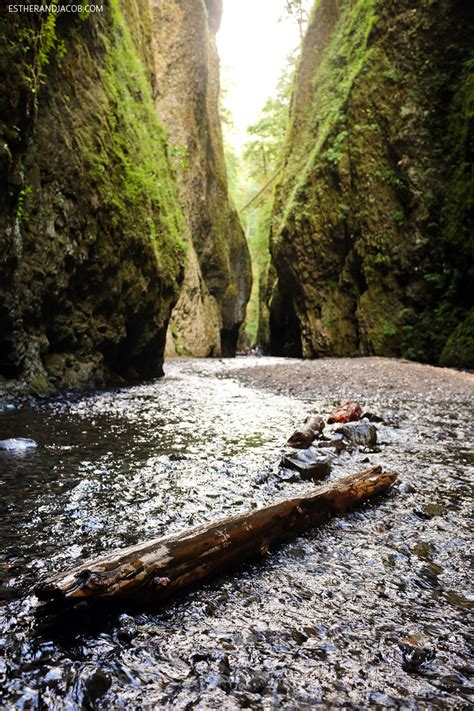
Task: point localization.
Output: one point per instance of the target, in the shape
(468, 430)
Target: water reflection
(369, 610)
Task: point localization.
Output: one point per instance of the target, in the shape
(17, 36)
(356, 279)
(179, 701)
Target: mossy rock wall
(217, 286)
(92, 242)
(372, 237)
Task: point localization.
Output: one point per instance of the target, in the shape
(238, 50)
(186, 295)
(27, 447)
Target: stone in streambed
(315, 423)
(17, 444)
(359, 433)
(372, 417)
(311, 464)
(349, 411)
(335, 441)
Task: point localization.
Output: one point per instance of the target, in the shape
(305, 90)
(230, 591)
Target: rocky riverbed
(370, 610)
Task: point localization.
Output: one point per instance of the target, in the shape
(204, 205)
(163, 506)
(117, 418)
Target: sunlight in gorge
(254, 40)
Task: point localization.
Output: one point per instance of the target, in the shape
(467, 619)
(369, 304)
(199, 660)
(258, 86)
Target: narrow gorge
(286, 181)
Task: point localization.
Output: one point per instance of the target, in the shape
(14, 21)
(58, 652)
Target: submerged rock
(311, 464)
(359, 433)
(17, 444)
(335, 441)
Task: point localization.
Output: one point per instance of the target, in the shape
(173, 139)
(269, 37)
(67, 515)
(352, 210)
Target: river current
(368, 611)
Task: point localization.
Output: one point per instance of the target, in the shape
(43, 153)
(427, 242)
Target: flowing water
(371, 610)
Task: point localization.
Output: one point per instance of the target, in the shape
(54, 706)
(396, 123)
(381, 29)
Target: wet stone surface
(370, 610)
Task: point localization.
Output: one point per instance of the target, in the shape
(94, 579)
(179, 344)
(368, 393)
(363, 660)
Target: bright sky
(252, 46)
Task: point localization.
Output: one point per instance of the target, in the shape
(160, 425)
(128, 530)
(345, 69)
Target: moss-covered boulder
(217, 285)
(92, 240)
(373, 221)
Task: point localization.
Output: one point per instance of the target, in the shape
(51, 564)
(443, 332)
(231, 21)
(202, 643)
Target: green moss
(127, 153)
(22, 210)
(458, 210)
(96, 200)
(371, 158)
(343, 59)
(459, 349)
(388, 328)
(177, 342)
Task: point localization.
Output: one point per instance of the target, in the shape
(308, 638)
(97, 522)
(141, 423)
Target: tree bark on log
(156, 570)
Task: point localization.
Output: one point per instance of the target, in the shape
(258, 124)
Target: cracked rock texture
(92, 247)
(372, 237)
(106, 215)
(217, 283)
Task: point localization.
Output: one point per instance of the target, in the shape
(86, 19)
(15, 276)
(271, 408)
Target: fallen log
(158, 569)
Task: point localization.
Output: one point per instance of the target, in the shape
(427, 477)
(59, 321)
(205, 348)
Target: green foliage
(399, 217)
(298, 10)
(438, 280)
(22, 213)
(390, 177)
(332, 321)
(321, 120)
(177, 342)
(128, 157)
(458, 221)
(41, 45)
(388, 328)
(248, 173)
(335, 150)
(459, 348)
(263, 152)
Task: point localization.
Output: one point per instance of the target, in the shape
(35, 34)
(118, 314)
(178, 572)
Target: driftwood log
(303, 438)
(158, 569)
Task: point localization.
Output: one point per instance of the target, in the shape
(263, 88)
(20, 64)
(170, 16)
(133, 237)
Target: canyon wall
(217, 282)
(372, 237)
(106, 215)
(92, 246)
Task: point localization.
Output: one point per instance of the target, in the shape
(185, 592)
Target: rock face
(373, 225)
(94, 241)
(217, 283)
(91, 243)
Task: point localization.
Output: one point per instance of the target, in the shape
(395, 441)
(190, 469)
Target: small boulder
(302, 439)
(349, 411)
(311, 464)
(17, 444)
(359, 433)
(335, 441)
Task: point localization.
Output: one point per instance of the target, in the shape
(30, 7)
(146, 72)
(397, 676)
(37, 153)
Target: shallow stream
(371, 610)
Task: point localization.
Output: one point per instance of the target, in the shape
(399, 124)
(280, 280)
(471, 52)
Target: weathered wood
(303, 438)
(158, 569)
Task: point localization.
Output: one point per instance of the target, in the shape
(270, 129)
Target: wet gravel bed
(370, 610)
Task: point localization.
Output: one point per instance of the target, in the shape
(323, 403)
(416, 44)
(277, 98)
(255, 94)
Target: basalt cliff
(372, 238)
(98, 233)
(217, 279)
